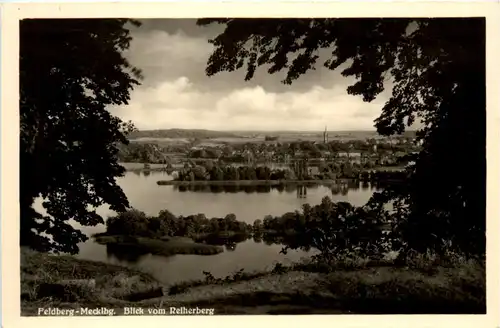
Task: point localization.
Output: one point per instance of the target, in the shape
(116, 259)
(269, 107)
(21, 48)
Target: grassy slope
(382, 289)
(112, 283)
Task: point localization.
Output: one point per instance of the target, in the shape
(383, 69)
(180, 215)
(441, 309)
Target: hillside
(211, 134)
(181, 133)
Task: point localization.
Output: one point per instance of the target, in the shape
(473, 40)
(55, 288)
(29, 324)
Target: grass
(423, 284)
(405, 290)
(165, 246)
(362, 288)
(238, 276)
(112, 283)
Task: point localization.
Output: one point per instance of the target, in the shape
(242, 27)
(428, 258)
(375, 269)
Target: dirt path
(289, 293)
(286, 283)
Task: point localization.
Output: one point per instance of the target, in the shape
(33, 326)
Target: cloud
(165, 56)
(176, 93)
(178, 103)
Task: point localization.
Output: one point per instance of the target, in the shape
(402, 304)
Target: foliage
(143, 153)
(159, 152)
(137, 223)
(70, 71)
(217, 172)
(334, 229)
(437, 68)
(131, 220)
(208, 152)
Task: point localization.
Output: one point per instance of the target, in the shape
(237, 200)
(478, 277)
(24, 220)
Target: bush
(132, 222)
(334, 229)
(136, 223)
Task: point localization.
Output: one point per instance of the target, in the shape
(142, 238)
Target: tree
(199, 172)
(437, 67)
(169, 221)
(70, 70)
(268, 222)
(257, 225)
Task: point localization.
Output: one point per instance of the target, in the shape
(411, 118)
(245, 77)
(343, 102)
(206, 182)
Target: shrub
(132, 222)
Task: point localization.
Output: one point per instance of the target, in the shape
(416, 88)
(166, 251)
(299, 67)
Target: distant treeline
(216, 172)
(181, 133)
(208, 134)
(156, 152)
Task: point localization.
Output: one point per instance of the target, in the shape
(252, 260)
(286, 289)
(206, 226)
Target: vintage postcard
(195, 163)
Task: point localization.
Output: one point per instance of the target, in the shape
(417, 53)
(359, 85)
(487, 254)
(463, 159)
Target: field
(173, 141)
(207, 137)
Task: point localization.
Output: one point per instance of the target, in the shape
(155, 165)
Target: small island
(166, 234)
(216, 174)
(135, 231)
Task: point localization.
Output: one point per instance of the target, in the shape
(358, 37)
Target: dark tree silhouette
(437, 68)
(70, 70)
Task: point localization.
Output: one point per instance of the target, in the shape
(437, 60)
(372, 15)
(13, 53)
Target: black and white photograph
(252, 166)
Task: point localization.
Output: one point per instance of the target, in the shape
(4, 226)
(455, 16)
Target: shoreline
(162, 247)
(327, 183)
(246, 182)
(139, 166)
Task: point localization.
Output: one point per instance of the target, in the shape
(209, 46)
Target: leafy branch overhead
(70, 71)
(436, 70)
(412, 52)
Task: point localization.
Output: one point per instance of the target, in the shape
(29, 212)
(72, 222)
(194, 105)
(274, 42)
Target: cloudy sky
(176, 93)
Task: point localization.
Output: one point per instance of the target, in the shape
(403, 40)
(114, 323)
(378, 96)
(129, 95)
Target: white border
(11, 13)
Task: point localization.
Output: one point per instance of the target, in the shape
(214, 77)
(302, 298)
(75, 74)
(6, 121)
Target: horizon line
(257, 130)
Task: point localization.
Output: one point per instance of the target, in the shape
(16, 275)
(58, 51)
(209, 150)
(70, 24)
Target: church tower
(325, 136)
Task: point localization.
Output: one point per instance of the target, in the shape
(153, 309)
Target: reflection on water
(124, 253)
(233, 240)
(300, 190)
(131, 255)
(256, 253)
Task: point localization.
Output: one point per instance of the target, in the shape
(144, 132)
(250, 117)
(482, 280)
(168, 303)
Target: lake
(145, 195)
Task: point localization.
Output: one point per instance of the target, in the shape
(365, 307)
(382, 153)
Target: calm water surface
(144, 194)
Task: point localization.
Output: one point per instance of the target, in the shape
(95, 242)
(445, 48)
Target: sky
(176, 93)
